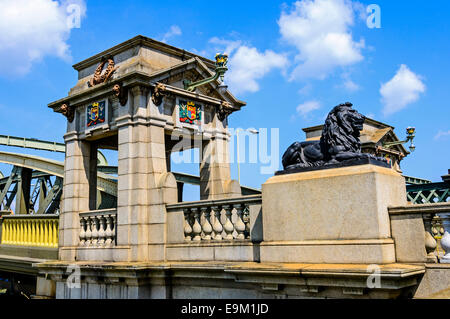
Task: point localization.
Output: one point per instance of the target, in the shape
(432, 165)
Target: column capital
(139, 90)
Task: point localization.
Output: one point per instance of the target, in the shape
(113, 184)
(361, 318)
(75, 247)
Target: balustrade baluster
(94, 230)
(196, 227)
(10, 232)
(20, 242)
(246, 220)
(5, 232)
(25, 232)
(109, 231)
(430, 242)
(445, 240)
(45, 222)
(55, 233)
(113, 227)
(217, 225)
(101, 231)
(13, 232)
(239, 225)
(41, 232)
(88, 233)
(207, 228)
(30, 232)
(82, 231)
(228, 226)
(50, 233)
(187, 224)
(9, 236)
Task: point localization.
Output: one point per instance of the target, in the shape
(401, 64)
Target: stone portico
(138, 114)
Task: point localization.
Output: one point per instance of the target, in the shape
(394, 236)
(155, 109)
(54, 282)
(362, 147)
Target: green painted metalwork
(410, 134)
(415, 180)
(221, 68)
(41, 145)
(428, 193)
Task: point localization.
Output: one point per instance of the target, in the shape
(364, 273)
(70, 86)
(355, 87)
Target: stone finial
(100, 76)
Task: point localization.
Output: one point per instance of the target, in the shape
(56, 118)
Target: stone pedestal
(331, 216)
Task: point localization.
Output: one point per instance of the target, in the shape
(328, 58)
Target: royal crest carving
(159, 92)
(101, 76)
(339, 142)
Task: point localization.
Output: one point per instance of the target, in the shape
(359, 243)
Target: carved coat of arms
(95, 113)
(190, 112)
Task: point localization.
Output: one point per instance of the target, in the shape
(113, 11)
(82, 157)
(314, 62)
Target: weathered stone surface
(408, 233)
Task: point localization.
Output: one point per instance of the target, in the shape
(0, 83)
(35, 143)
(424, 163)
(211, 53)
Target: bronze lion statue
(339, 141)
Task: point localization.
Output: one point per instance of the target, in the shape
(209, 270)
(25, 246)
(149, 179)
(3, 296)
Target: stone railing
(98, 228)
(217, 220)
(435, 225)
(30, 230)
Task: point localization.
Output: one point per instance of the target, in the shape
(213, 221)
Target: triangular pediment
(194, 70)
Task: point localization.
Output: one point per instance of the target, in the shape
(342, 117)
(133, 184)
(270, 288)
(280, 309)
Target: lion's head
(341, 130)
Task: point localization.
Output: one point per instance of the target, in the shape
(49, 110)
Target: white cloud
(248, 65)
(229, 45)
(305, 108)
(320, 30)
(173, 31)
(33, 29)
(403, 89)
(305, 90)
(441, 134)
(351, 86)
(348, 83)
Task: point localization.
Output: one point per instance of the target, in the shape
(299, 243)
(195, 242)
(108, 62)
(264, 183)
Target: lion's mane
(338, 131)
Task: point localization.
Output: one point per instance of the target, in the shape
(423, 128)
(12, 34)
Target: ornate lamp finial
(221, 68)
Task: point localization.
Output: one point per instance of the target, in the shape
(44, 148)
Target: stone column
(140, 208)
(75, 195)
(214, 168)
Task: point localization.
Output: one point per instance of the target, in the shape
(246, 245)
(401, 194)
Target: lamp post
(410, 134)
(252, 131)
(221, 68)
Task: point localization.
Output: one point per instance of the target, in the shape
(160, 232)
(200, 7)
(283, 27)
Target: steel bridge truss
(34, 192)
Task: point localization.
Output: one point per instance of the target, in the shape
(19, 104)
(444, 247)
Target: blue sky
(290, 61)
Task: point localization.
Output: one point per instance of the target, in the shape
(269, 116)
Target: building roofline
(145, 41)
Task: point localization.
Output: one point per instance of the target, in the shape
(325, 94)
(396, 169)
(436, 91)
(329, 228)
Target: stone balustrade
(217, 220)
(30, 230)
(436, 224)
(98, 228)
